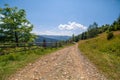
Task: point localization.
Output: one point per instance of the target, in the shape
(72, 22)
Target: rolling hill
(105, 54)
(51, 38)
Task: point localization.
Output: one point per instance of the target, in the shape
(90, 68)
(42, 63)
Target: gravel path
(65, 64)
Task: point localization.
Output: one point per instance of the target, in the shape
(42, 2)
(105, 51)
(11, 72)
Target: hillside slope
(105, 54)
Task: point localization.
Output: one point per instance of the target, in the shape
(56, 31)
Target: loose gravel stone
(65, 64)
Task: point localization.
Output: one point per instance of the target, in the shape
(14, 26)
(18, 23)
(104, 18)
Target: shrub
(11, 57)
(110, 35)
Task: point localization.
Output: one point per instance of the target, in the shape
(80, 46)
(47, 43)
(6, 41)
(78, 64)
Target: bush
(109, 35)
(11, 58)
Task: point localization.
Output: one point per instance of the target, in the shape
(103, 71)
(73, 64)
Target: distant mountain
(51, 38)
(56, 37)
(41, 38)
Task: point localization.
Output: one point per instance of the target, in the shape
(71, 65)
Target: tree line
(93, 30)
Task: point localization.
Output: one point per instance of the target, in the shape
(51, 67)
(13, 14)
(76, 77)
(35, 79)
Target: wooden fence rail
(48, 44)
(26, 46)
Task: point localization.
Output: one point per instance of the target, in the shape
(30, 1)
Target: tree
(83, 36)
(14, 25)
(73, 37)
(44, 43)
(103, 28)
(92, 30)
(116, 24)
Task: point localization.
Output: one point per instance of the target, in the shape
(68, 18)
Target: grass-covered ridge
(105, 54)
(9, 63)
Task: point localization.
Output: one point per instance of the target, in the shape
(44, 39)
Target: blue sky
(66, 17)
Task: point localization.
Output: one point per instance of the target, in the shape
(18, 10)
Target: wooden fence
(17, 47)
(39, 44)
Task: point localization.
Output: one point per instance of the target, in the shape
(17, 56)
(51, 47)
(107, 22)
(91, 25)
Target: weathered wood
(26, 46)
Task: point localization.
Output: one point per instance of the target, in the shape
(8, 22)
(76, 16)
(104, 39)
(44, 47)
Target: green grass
(105, 54)
(12, 62)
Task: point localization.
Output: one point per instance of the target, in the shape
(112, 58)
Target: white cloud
(62, 29)
(72, 26)
(50, 32)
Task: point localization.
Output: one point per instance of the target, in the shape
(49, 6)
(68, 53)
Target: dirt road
(65, 64)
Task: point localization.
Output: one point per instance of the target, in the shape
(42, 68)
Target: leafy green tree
(14, 26)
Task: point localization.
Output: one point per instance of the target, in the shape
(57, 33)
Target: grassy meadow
(12, 62)
(105, 54)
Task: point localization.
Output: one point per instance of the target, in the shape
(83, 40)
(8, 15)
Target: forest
(93, 30)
